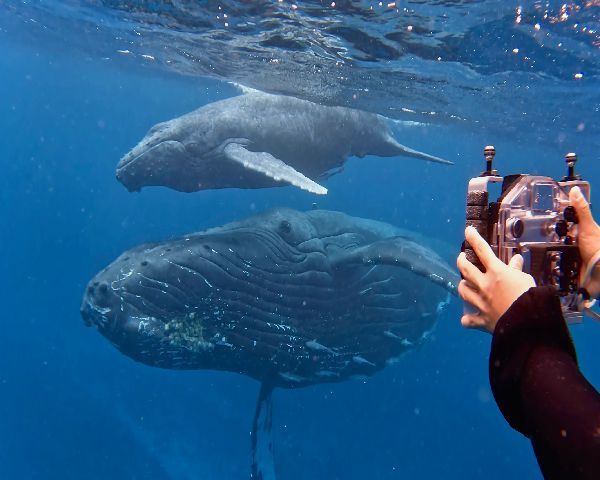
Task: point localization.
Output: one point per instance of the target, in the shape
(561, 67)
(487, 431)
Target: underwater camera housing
(532, 217)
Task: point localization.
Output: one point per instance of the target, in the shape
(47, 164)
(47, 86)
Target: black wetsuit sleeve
(541, 392)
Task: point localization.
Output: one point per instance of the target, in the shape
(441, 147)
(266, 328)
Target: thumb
(516, 262)
(581, 206)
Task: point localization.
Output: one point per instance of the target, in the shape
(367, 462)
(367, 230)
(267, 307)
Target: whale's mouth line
(128, 159)
(215, 153)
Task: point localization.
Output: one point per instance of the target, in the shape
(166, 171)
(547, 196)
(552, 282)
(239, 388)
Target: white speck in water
(483, 394)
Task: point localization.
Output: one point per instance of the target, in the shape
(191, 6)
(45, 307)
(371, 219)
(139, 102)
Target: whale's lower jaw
(167, 163)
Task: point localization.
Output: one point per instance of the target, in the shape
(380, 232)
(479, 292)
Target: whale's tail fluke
(263, 463)
(405, 151)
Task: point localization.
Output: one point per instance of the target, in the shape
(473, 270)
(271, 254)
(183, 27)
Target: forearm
(562, 413)
(540, 390)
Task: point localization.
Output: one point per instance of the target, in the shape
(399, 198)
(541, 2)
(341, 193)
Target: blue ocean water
(74, 407)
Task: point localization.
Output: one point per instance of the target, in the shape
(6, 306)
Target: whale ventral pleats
(285, 296)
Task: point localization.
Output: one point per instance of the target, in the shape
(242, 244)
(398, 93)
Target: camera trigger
(570, 215)
(561, 228)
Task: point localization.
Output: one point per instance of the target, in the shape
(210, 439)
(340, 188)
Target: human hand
(588, 238)
(495, 290)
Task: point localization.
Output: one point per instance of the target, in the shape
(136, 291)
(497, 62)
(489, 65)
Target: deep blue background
(72, 407)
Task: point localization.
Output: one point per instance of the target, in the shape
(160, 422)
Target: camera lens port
(516, 227)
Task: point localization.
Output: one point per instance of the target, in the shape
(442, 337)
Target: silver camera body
(532, 217)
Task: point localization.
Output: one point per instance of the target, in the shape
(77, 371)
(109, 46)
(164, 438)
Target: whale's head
(141, 304)
(160, 303)
(166, 156)
(200, 300)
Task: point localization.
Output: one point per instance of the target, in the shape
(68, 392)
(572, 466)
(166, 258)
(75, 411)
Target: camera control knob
(489, 152)
(570, 215)
(517, 227)
(561, 228)
(571, 159)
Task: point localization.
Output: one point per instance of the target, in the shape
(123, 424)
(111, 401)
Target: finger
(516, 262)
(582, 207)
(469, 271)
(472, 320)
(477, 322)
(482, 249)
(470, 295)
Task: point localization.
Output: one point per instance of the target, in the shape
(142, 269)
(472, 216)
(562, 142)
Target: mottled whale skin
(257, 140)
(288, 298)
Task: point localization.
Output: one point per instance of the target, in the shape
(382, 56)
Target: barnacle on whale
(187, 332)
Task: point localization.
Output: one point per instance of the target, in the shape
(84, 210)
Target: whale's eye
(285, 227)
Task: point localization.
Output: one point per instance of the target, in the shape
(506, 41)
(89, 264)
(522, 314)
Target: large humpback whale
(288, 298)
(257, 140)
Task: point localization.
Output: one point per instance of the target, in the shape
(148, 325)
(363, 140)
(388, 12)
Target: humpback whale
(257, 140)
(288, 298)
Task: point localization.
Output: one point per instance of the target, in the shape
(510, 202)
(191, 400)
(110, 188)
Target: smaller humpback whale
(257, 140)
(290, 299)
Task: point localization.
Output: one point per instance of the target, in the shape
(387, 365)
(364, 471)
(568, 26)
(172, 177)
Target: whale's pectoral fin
(272, 167)
(409, 152)
(263, 463)
(401, 252)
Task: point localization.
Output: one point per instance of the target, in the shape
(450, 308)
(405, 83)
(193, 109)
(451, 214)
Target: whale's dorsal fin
(263, 463)
(272, 167)
(402, 252)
